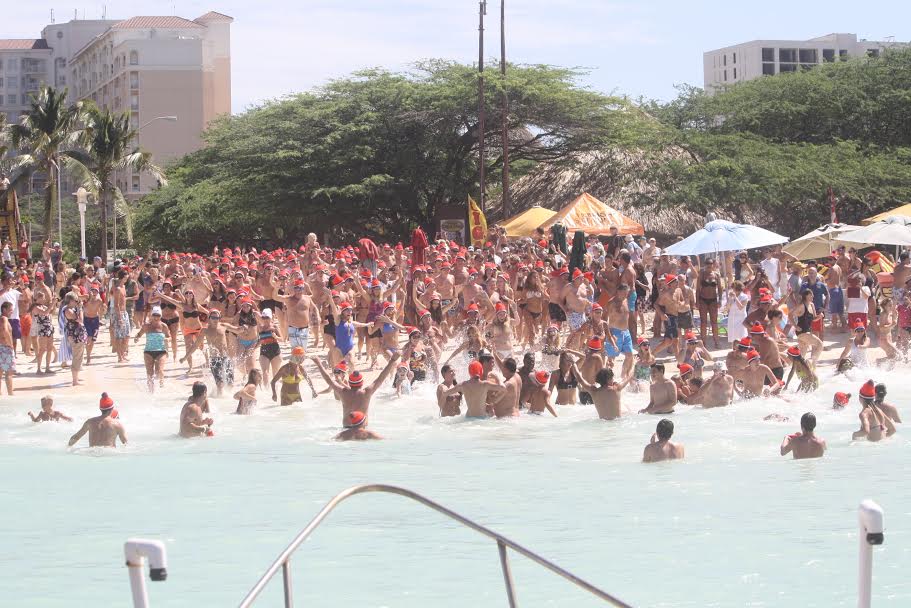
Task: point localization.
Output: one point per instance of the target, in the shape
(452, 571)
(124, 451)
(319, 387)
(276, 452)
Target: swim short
(222, 368)
(92, 324)
(7, 359)
(836, 301)
(670, 326)
(299, 336)
(624, 343)
(556, 313)
(17, 329)
(631, 300)
(576, 320)
(685, 320)
(122, 327)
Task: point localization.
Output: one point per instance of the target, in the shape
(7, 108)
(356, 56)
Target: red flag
(831, 195)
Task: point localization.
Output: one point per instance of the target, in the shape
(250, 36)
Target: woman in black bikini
(169, 314)
(532, 305)
(564, 380)
(803, 317)
(708, 299)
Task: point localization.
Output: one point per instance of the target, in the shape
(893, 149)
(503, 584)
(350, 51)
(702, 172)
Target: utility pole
(505, 197)
(482, 10)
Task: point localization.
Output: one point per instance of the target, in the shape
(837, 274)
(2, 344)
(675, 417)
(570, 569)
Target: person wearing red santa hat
(103, 429)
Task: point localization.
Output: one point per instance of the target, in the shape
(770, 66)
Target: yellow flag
(477, 224)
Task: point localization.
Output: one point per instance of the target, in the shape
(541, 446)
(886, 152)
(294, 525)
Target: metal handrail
(503, 543)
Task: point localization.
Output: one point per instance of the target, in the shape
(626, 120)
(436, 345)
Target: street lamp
(168, 118)
(82, 197)
(59, 213)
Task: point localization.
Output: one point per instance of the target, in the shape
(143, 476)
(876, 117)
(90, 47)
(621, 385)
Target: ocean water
(733, 525)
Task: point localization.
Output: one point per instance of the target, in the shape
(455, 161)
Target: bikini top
(169, 306)
(191, 315)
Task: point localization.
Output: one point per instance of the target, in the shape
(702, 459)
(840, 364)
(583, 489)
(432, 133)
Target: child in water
(48, 413)
(402, 380)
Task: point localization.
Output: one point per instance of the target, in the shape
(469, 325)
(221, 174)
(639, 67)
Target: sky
(641, 48)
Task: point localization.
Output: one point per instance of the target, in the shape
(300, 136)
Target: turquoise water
(734, 525)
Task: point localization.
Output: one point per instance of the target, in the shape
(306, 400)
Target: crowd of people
(589, 321)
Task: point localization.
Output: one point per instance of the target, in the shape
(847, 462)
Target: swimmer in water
(354, 429)
(476, 391)
(193, 423)
(539, 395)
(874, 424)
(662, 392)
(451, 405)
(291, 375)
(889, 410)
(355, 397)
(660, 446)
(804, 444)
(605, 392)
(840, 400)
(103, 430)
(757, 379)
(48, 413)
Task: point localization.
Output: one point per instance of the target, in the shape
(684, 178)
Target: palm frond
(123, 210)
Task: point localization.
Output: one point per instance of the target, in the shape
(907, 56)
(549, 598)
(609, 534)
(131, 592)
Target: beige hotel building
(149, 66)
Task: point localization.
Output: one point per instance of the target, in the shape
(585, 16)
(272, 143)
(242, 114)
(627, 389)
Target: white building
(750, 60)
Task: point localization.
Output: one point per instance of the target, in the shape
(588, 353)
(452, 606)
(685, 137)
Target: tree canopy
(375, 153)
(774, 145)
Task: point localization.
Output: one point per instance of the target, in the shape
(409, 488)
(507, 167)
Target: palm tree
(109, 148)
(47, 135)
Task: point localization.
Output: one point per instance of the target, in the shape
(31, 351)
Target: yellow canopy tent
(903, 210)
(524, 224)
(593, 217)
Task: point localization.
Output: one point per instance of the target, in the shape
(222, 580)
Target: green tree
(375, 153)
(109, 148)
(47, 136)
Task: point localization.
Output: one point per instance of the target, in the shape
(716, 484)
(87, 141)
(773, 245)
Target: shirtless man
(103, 430)
(662, 393)
(592, 363)
(48, 413)
(508, 403)
(555, 291)
(900, 275)
(736, 360)
(717, 391)
(660, 446)
(539, 394)
(757, 378)
(451, 405)
(576, 301)
(768, 349)
(475, 391)
(804, 444)
(301, 314)
(619, 326)
(193, 423)
(92, 311)
(355, 397)
(604, 391)
(354, 429)
(669, 304)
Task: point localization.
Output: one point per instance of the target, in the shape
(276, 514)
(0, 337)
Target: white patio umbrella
(894, 230)
(722, 235)
(819, 243)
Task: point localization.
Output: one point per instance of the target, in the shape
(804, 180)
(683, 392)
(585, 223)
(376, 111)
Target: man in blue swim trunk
(618, 322)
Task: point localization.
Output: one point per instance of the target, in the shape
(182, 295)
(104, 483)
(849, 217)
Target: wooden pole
(507, 205)
(482, 10)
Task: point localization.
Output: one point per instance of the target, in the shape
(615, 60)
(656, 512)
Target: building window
(768, 55)
(842, 55)
(135, 187)
(724, 60)
(735, 57)
(872, 52)
(787, 55)
(735, 73)
(12, 65)
(11, 100)
(725, 75)
(12, 83)
(134, 102)
(134, 58)
(787, 67)
(828, 55)
(768, 69)
(809, 56)
(134, 80)
(134, 121)
(1, 82)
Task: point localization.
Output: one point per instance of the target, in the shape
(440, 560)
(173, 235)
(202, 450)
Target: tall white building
(749, 60)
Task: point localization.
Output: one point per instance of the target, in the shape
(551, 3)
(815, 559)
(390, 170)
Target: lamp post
(82, 197)
(59, 213)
